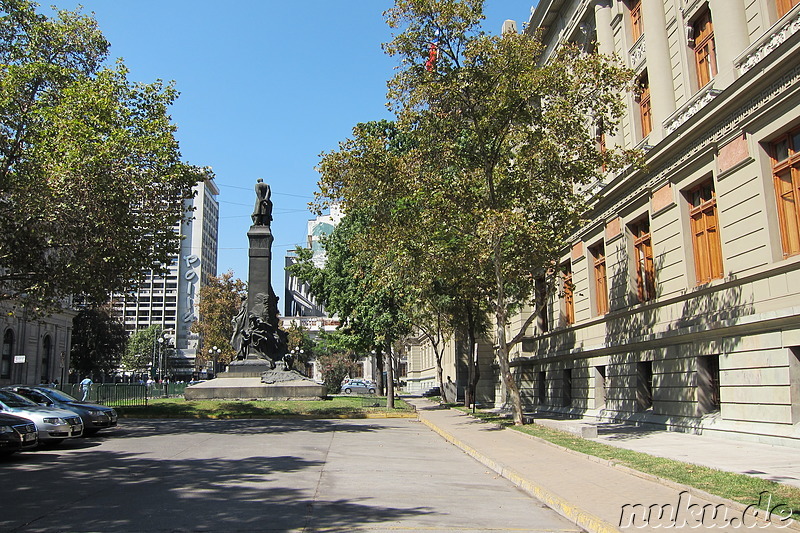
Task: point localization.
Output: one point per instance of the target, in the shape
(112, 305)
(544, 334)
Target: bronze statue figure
(262, 213)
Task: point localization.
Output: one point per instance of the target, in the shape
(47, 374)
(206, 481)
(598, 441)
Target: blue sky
(265, 87)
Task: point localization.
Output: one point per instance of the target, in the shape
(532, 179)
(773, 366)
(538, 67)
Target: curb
(576, 515)
(694, 491)
(584, 519)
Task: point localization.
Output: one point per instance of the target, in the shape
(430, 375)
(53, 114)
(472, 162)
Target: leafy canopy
(91, 181)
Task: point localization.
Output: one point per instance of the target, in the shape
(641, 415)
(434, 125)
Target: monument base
(246, 368)
(272, 385)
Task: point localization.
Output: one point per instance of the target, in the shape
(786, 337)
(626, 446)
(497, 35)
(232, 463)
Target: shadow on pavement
(115, 491)
(148, 427)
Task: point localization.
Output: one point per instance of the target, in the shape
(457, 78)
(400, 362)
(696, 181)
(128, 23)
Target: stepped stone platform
(252, 384)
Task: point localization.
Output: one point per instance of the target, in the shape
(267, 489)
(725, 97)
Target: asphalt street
(263, 475)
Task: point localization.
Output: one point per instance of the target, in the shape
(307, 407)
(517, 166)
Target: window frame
(705, 55)
(600, 276)
(787, 198)
(644, 265)
(568, 286)
(784, 6)
(706, 241)
(645, 107)
(637, 23)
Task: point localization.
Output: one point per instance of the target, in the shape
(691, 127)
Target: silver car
(358, 386)
(95, 417)
(54, 425)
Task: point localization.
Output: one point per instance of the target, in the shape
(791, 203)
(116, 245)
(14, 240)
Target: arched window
(8, 349)
(47, 349)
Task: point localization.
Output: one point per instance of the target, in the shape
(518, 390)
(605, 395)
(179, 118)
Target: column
(659, 67)
(730, 37)
(605, 46)
(602, 22)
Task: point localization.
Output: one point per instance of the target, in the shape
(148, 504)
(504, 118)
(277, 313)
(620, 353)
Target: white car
(54, 424)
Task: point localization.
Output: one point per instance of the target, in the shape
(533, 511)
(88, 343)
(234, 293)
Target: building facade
(34, 350)
(679, 305)
(171, 301)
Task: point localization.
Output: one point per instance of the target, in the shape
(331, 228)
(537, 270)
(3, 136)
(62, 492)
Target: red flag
(433, 54)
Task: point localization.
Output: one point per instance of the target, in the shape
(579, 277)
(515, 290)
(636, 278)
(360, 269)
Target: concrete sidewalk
(596, 494)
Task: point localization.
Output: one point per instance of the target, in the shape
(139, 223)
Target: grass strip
(737, 487)
(334, 407)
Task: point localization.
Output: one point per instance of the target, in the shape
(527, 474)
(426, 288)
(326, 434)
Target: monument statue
(262, 213)
(259, 343)
(257, 338)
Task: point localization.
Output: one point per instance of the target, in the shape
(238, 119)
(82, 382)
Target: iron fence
(124, 394)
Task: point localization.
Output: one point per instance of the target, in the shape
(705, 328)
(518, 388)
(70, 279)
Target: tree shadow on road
(113, 491)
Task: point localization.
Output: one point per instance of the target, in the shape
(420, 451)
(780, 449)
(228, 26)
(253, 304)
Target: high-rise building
(298, 298)
(171, 301)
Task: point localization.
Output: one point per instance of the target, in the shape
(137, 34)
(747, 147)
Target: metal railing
(124, 394)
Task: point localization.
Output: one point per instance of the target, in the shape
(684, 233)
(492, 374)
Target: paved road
(263, 475)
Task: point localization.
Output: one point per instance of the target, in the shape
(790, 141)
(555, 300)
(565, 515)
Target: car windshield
(57, 395)
(13, 399)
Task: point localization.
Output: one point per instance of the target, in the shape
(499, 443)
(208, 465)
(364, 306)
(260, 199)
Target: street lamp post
(213, 353)
(160, 358)
(160, 346)
(296, 352)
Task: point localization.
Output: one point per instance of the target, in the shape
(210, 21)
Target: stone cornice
(772, 39)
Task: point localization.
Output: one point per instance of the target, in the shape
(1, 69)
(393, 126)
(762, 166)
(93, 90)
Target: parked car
(54, 424)
(95, 417)
(16, 433)
(358, 386)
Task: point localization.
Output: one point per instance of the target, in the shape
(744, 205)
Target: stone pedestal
(266, 385)
(253, 389)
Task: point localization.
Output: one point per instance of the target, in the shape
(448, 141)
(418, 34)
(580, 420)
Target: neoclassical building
(681, 301)
(34, 349)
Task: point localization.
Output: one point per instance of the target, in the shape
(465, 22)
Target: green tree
(373, 310)
(98, 342)
(334, 367)
(143, 349)
(506, 130)
(299, 341)
(220, 300)
(91, 179)
(482, 199)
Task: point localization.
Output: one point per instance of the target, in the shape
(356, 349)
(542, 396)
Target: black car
(95, 417)
(16, 433)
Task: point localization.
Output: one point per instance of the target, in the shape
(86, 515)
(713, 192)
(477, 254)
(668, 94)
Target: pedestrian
(86, 386)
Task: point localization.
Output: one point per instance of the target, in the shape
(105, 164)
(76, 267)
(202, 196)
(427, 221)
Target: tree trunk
(440, 378)
(474, 372)
(379, 368)
(505, 370)
(389, 379)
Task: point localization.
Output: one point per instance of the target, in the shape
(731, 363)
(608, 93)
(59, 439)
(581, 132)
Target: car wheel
(347, 391)
(372, 391)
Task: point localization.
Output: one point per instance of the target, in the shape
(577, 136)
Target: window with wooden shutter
(568, 295)
(643, 259)
(705, 232)
(637, 28)
(786, 173)
(704, 52)
(645, 113)
(784, 6)
(600, 280)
